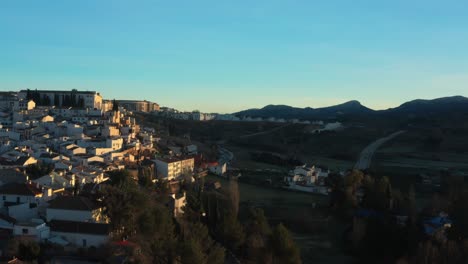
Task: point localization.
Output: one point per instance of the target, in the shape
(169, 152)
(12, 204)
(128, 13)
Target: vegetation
(387, 228)
(38, 170)
(209, 231)
(69, 100)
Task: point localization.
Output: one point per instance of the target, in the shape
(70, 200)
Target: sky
(226, 56)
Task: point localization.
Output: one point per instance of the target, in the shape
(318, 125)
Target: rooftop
(79, 227)
(60, 91)
(78, 203)
(174, 159)
(25, 189)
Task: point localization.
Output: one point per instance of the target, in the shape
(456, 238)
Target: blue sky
(224, 56)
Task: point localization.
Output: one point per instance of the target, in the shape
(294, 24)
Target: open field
(422, 151)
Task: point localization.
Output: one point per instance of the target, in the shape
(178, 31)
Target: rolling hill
(435, 107)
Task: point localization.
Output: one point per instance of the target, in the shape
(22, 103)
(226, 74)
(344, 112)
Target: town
(81, 178)
(58, 147)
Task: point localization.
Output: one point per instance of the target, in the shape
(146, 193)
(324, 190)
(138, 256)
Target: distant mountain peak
(354, 108)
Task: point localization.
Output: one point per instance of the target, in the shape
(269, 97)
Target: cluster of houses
(307, 178)
(198, 116)
(79, 145)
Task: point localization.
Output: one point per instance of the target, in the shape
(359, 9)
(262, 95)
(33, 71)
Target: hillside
(289, 112)
(435, 108)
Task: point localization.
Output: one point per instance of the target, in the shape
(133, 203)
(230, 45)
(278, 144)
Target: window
(25, 231)
(4, 198)
(84, 242)
(18, 199)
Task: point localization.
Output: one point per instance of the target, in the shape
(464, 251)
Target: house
(24, 201)
(81, 234)
(23, 193)
(436, 227)
(75, 208)
(21, 211)
(110, 131)
(7, 222)
(116, 143)
(23, 105)
(172, 168)
(47, 118)
(71, 149)
(34, 229)
(21, 162)
(191, 150)
(218, 169)
(12, 176)
(56, 181)
(176, 203)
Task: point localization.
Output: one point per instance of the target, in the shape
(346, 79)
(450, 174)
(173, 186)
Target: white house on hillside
(81, 234)
(75, 208)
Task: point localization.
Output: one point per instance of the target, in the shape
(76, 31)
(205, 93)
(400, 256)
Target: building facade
(73, 98)
(172, 168)
(138, 106)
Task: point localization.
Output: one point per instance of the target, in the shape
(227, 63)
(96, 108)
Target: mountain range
(439, 106)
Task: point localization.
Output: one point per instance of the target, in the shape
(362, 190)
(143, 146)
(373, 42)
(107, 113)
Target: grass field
(406, 157)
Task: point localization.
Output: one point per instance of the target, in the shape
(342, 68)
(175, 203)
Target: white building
(116, 143)
(81, 234)
(56, 181)
(34, 229)
(172, 168)
(219, 169)
(177, 203)
(18, 193)
(85, 99)
(23, 104)
(75, 208)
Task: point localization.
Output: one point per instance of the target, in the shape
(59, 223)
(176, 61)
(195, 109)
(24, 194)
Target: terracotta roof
(79, 227)
(78, 203)
(25, 189)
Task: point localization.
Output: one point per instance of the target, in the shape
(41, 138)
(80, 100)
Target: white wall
(77, 239)
(22, 198)
(40, 232)
(22, 212)
(69, 215)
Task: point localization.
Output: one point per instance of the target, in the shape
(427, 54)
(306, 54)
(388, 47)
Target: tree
(199, 239)
(115, 106)
(122, 179)
(191, 252)
(258, 234)
(122, 206)
(56, 100)
(285, 251)
(234, 196)
(29, 250)
(158, 231)
(230, 232)
(28, 94)
(459, 213)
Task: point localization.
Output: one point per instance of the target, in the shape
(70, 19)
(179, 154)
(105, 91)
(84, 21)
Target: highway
(365, 159)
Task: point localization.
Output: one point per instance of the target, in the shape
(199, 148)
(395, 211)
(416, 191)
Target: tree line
(68, 100)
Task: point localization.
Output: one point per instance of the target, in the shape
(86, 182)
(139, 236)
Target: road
(365, 159)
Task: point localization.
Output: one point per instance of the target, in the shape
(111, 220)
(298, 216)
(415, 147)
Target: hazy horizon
(224, 57)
